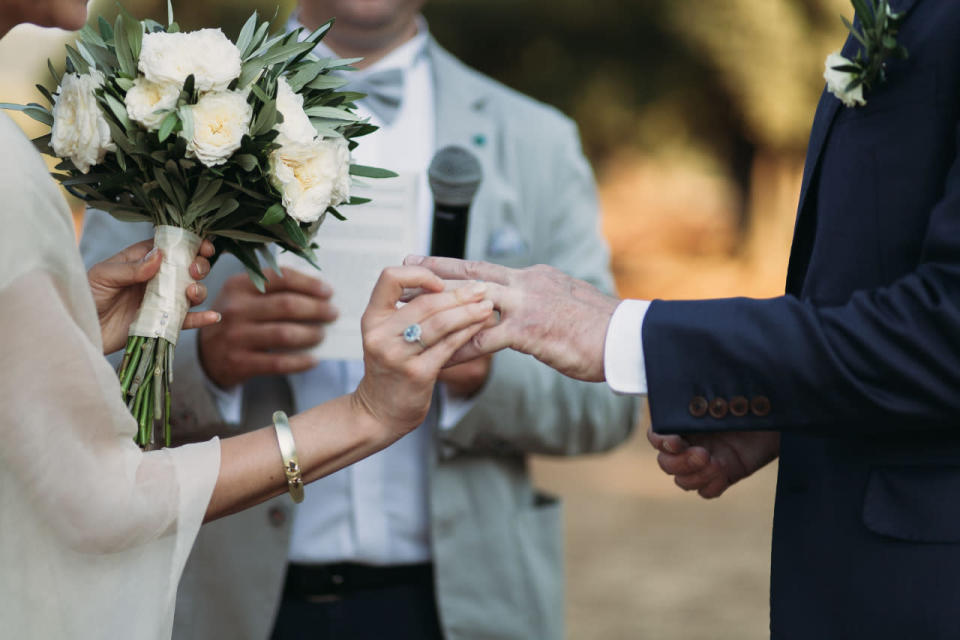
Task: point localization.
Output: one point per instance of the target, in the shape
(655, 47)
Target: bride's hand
(118, 283)
(400, 376)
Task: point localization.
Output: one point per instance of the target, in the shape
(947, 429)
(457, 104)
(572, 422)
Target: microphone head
(455, 176)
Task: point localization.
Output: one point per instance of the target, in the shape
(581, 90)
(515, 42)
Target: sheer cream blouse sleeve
(94, 533)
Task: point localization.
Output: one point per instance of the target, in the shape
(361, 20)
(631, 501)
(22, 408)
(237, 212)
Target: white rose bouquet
(247, 143)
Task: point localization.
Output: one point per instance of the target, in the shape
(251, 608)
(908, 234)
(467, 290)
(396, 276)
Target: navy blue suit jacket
(858, 365)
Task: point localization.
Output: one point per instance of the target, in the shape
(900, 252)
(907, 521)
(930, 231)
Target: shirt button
(698, 407)
(739, 406)
(718, 408)
(277, 516)
(760, 406)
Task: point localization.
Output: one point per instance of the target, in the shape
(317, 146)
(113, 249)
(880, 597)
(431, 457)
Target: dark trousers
(355, 602)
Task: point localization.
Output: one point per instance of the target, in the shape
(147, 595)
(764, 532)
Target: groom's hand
(265, 334)
(559, 320)
(709, 463)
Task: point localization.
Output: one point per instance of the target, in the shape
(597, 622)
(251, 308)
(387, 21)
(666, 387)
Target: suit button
(718, 408)
(739, 406)
(760, 406)
(277, 516)
(698, 407)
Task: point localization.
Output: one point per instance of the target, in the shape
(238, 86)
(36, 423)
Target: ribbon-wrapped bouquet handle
(146, 372)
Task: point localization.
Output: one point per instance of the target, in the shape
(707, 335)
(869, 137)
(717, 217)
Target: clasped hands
(563, 322)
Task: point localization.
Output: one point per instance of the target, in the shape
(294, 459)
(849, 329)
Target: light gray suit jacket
(496, 541)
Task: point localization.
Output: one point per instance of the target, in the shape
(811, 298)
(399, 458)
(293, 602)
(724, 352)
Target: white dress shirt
(376, 511)
(623, 363)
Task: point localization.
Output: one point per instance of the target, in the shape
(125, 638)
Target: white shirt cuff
(452, 408)
(229, 401)
(623, 363)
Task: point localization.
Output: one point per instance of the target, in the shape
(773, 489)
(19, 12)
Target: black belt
(310, 581)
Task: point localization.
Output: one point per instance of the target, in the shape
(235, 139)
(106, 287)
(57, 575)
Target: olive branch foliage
(877, 33)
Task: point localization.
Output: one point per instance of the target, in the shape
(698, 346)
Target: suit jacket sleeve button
(718, 408)
(698, 407)
(739, 406)
(760, 406)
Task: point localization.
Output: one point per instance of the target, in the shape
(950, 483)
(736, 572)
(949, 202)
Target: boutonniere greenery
(877, 32)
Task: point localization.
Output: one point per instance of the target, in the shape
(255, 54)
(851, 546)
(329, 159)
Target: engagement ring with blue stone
(414, 333)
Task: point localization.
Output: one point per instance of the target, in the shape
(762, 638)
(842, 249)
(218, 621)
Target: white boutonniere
(877, 32)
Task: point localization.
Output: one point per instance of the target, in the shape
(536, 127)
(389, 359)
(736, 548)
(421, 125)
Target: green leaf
(42, 144)
(246, 236)
(292, 227)
(169, 12)
(82, 50)
(268, 257)
(40, 115)
(79, 64)
(354, 200)
(336, 214)
(326, 81)
(266, 119)
(331, 113)
(90, 35)
(103, 57)
(865, 13)
(370, 172)
(343, 63)
(119, 110)
(167, 126)
(46, 94)
(122, 46)
(274, 215)
(106, 31)
(249, 72)
(246, 34)
(186, 118)
(229, 206)
(248, 162)
(124, 83)
(53, 72)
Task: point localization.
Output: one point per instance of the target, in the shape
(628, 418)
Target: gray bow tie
(384, 91)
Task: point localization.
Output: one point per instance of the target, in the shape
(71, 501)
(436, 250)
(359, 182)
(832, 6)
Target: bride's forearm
(329, 437)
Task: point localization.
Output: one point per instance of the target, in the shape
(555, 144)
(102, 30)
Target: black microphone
(455, 175)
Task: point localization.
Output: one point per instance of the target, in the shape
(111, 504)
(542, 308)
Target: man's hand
(265, 334)
(118, 283)
(709, 463)
(465, 380)
(559, 320)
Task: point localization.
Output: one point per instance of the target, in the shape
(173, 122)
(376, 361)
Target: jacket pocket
(914, 503)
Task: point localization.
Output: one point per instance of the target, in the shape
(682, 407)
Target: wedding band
(414, 334)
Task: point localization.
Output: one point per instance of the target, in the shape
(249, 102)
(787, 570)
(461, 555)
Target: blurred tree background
(695, 115)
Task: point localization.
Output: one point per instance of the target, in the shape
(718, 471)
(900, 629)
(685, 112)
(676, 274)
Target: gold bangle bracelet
(288, 451)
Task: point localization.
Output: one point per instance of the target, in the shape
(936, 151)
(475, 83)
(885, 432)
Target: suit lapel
(463, 119)
(827, 111)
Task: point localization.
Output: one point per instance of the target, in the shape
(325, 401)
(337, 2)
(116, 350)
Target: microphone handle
(449, 231)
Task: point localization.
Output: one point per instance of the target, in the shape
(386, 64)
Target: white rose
(838, 81)
(80, 132)
(168, 58)
(296, 125)
(148, 102)
(219, 122)
(311, 176)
